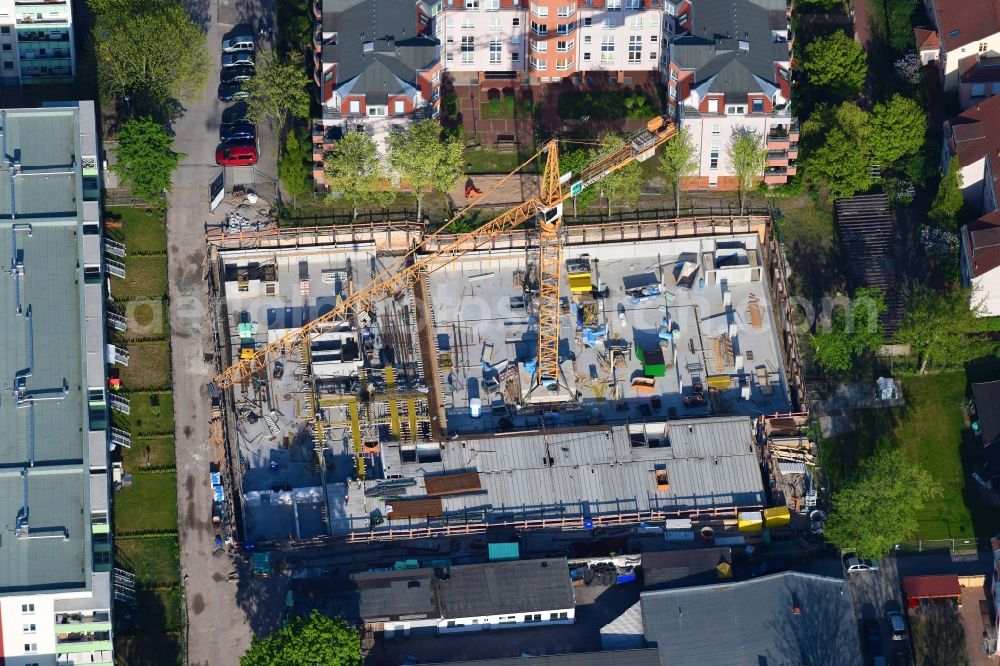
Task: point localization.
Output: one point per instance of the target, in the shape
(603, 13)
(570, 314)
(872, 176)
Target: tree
(425, 159)
(145, 159)
(316, 641)
(293, 169)
(841, 159)
(150, 51)
(853, 330)
(679, 158)
(576, 161)
(881, 506)
(625, 185)
(943, 328)
(355, 168)
(748, 156)
(836, 62)
(279, 89)
(897, 130)
(948, 201)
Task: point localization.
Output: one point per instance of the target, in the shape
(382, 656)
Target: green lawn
(148, 365)
(149, 504)
(141, 232)
(151, 413)
(488, 161)
(144, 276)
(155, 560)
(933, 431)
(149, 452)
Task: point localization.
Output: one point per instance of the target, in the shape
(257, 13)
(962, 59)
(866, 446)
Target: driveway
(219, 627)
(875, 593)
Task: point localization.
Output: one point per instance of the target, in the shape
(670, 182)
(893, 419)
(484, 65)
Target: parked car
(232, 91)
(237, 44)
(236, 154)
(235, 114)
(873, 637)
(242, 131)
(239, 58)
(897, 625)
(237, 73)
(854, 564)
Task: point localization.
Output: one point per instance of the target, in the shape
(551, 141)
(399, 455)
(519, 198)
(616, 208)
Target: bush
(293, 167)
(791, 189)
(605, 105)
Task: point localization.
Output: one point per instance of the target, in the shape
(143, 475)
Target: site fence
(930, 545)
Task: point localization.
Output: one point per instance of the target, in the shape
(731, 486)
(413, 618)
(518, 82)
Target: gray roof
(395, 594)
(755, 622)
(644, 657)
(987, 398)
(713, 49)
(395, 52)
(501, 588)
(43, 442)
(683, 568)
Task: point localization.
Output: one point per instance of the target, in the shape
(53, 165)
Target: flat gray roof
(43, 410)
(710, 463)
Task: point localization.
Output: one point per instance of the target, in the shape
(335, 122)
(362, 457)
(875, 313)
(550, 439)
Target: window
(437, 77)
(982, 47)
(563, 64)
(29, 628)
(634, 22)
(634, 48)
(653, 39)
(533, 617)
(978, 89)
(587, 21)
(541, 11)
(633, 4)
(758, 106)
(6, 47)
(376, 110)
(713, 157)
(713, 181)
(27, 608)
(515, 56)
(566, 28)
(713, 105)
(399, 107)
(565, 12)
(451, 623)
(354, 106)
(472, 4)
(467, 23)
(539, 28)
(716, 129)
(608, 22)
(515, 38)
(495, 50)
(614, 5)
(682, 19)
(467, 48)
(5, 29)
(673, 75)
(537, 63)
(607, 49)
(516, 21)
(492, 5)
(496, 22)
(563, 47)
(586, 39)
(449, 22)
(652, 55)
(450, 57)
(30, 648)
(540, 46)
(736, 109)
(586, 56)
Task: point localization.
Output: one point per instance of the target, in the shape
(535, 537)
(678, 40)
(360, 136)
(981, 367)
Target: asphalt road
(875, 594)
(221, 615)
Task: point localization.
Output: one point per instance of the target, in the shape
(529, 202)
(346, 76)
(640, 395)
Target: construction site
(386, 383)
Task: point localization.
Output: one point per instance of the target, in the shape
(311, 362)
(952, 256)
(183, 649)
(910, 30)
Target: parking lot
(875, 594)
(211, 600)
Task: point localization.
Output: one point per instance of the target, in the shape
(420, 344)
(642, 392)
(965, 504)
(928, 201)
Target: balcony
(776, 175)
(317, 7)
(46, 54)
(777, 158)
(53, 36)
(75, 621)
(39, 2)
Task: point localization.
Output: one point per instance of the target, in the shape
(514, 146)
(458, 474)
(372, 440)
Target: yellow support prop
(411, 406)
(390, 380)
(359, 456)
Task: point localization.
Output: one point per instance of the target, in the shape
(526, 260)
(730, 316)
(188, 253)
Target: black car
(241, 131)
(235, 114)
(873, 637)
(232, 91)
(237, 73)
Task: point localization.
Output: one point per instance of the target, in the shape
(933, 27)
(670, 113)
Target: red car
(236, 154)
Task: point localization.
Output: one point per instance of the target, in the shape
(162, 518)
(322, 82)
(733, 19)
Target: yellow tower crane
(547, 211)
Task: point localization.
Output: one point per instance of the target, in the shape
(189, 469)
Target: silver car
(237, 44)
(859, 565)
(239, 58)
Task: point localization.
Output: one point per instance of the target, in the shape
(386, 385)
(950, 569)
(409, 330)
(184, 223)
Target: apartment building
(549, 41)
(55, 551)
(36, 42)
(729, 70)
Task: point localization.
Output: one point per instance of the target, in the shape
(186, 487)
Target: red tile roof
(975, 132)
(962, 22)
(984, 238)
(931, 587)
(926, 39)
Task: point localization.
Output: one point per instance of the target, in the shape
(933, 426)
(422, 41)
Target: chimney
(796, 609)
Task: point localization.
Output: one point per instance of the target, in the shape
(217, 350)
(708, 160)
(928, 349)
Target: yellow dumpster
(750, 521)
(719, 382)
(777, 516)
(580, 283)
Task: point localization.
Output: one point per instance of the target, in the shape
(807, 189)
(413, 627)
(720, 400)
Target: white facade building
(36, 42)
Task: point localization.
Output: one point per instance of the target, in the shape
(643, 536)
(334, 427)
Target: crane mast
(547, 211)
